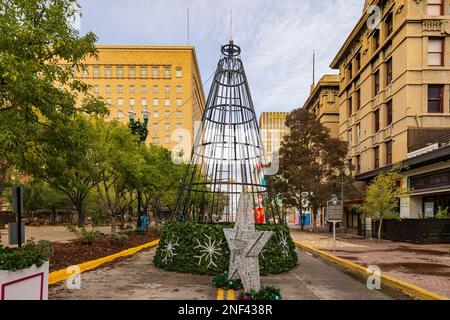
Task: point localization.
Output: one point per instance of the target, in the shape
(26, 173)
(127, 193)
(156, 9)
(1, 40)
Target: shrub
(117, 239)
(32, 253)
(184, 245)
(84, 235)
(443, 214)
(265, 294)
(221, 281)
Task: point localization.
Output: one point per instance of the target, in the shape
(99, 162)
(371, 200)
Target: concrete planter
(25, 284)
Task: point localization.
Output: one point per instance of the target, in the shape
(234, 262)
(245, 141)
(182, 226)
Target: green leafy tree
(41, 52)
(69, 161)
(382, 195)
(308, 158)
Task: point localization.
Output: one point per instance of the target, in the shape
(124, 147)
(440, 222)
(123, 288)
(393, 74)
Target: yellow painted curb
(64, 274)
(228, 294)
(393, 283)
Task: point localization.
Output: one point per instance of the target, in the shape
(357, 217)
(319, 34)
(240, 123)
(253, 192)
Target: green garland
(266, 294)
(183, 248)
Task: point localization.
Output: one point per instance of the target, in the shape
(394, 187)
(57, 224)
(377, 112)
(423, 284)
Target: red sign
(260, 215)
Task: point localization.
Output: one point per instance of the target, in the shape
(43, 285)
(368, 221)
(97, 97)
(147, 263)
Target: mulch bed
(75, 252)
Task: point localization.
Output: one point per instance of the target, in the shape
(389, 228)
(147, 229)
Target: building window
(132, 89)
(119, 89)
(358, 61)
(143, 101)
(350, 138)
(178, 126)
(436, 51)
(155, 114)
(350, 106)
(96, 89)
(435, 7)
(358, 99)
(108, 101)
(155, 140)
(155, 72)
(143, 89)
(120, 102)
(155, 89)
(96, 71)
(376, 79)
(358, 164)
(167, 113)
(179, 102)
(166, 72)
(389, 24)
(179, 114)
(435, 98)
(132, 101)
(389, 113)
(108, 89)
(167, 127)
(178, 72)
(155, 127)
(132, 72)
(350, 71)
(85, 72)
(143, 72)
(388, 152)
(120, 71)
(358, 133)
(167, 102)
(389, 72)
(376, 114)
(155, 102)
(376, 39)
(108, 72)
(167, 89)
(178, 90)
(120, 114)
(376, 152)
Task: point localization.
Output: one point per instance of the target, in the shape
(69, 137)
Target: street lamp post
(345, 173)
(139, 129)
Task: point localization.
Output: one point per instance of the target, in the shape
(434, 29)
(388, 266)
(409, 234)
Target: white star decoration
(245, 245)
(208, 251)
(169, 250)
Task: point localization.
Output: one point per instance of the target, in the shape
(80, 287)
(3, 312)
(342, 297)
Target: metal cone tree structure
(228, 157)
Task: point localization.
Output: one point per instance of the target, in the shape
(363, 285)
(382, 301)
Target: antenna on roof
(188, 25)
(231, 24)
(314, 70)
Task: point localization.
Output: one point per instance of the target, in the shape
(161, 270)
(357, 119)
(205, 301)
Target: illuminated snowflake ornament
(284, 243)
(168, 250)
(208, 251)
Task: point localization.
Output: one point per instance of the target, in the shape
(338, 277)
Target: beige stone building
(163, 80)
(394, 98)
(273, 128)
(323, 102)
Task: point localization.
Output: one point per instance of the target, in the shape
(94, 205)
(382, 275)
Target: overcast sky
(277, 37)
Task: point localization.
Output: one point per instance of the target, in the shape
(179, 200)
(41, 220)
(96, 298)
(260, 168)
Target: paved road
(137, 278)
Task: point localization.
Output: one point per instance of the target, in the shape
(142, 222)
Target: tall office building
(164, 80)
(273, 129)
(394, 98)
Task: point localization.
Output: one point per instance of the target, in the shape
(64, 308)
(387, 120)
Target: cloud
(277, 37)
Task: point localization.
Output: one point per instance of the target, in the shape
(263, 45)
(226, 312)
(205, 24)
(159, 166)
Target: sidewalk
(426, 266)
(50, 233)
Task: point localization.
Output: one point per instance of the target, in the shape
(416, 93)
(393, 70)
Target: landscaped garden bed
(201, 248)
(78, 251)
